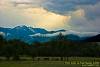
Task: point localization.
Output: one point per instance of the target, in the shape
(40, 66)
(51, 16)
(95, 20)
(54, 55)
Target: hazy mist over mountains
(30, 34)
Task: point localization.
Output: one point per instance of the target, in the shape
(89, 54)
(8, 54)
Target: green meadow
(71, 62)
(36, 64)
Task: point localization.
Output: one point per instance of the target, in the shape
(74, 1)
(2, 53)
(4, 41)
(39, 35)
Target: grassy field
(72, 62)
(41, 64)
(35, 64)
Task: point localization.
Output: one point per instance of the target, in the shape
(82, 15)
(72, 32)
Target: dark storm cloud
(63, 6)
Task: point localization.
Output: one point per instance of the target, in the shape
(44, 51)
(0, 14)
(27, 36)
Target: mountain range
(94, 38)
(30, 34)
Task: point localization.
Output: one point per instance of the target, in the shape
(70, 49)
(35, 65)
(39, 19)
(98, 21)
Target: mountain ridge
(94, 38)
(30, 34)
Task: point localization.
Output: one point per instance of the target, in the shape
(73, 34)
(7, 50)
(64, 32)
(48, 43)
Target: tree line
(57, 47)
